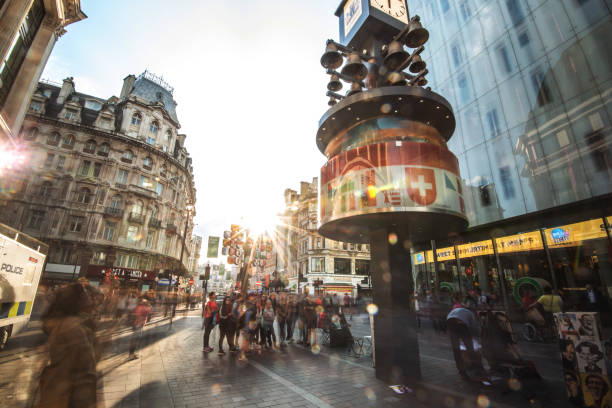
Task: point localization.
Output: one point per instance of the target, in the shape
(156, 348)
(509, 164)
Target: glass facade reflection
(531, 85)
(530, 82)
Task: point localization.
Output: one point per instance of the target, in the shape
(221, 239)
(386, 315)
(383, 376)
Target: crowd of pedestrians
(248, 323)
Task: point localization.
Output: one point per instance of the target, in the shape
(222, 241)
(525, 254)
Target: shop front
(515, 269)
(117, 277)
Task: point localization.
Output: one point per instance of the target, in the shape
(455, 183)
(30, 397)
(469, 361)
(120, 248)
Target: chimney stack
(66, 91)
(128, 85)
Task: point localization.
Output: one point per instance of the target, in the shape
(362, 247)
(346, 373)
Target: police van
(22, 259)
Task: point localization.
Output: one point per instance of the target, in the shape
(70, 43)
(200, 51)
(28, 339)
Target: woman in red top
(210, 314)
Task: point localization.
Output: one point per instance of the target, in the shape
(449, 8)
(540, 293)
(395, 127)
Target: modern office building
(530, 82)
(108, 183)
(28, 32)
(309, 259)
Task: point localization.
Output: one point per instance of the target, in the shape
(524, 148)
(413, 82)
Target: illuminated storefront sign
(475, 249)
(563, 236)
(528, 241)
(573, 234)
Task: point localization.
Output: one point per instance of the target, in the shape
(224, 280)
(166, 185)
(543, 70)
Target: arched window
(137, 207)
(104, 149)
(90, 146)
(45, 189)
(53, 139)
(136, 119)
(147, 163)
(84, 195)
(127, 156)
(115, 202)
(68, 141)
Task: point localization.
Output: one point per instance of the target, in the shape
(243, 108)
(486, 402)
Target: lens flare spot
(392, 238)
(215, 389)
(385, 108)
(386, 277)
(369, 393)
(514, 384)
(449, 402)
(316, 349)
(483, 401)
(372, 309)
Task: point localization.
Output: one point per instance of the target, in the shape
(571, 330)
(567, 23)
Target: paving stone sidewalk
(172, 371)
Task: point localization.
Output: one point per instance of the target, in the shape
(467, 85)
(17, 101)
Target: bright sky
(247, 80)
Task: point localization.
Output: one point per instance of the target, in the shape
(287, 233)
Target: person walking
(236, 318)
(281, 319)
(226, 325)
(248, 315)
(310, 318)
(302, 302)
(463, 327)
(268, 324)
(292, 315)
(70, 378)
(210, 314)
(347, 306)
(140, 316)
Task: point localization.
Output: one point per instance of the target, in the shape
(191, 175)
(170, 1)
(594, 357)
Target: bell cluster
(387, 68)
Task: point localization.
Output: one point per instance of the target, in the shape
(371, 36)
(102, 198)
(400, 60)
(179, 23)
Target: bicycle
(360, 346)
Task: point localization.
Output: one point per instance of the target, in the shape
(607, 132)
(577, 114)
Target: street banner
(213, 247)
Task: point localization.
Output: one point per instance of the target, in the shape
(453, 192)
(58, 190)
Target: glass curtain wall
(530, 82)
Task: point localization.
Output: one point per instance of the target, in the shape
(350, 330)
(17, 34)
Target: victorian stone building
(28, 32)
(306, 258)
(108, 184)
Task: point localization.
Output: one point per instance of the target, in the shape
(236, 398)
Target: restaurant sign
(101, 271)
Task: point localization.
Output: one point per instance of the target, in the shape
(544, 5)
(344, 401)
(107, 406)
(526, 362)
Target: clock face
(394, 8)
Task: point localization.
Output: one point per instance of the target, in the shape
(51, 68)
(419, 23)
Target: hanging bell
(417, 64)
(332, 101)
(334, 84)
(354, 68)
(396, 78)
(355, 88)
(395, 56)
(417, 35)
(331, 59)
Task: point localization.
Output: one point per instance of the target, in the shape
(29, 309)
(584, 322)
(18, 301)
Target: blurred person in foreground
(140, 316)
(70, 378)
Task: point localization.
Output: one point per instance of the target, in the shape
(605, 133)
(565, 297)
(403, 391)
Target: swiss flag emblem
(421, 185)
